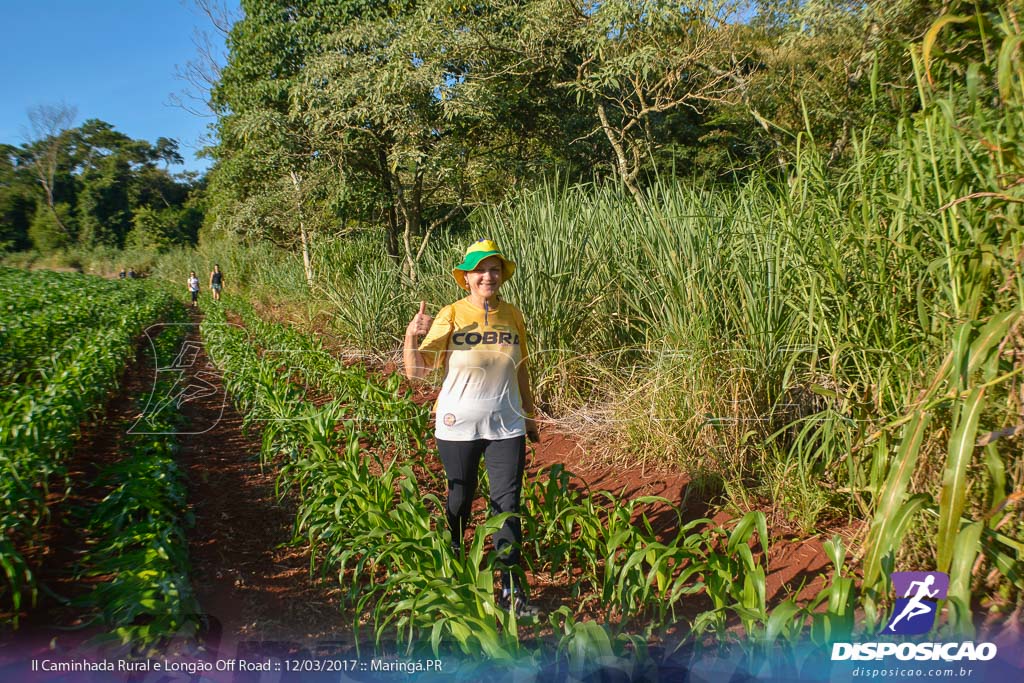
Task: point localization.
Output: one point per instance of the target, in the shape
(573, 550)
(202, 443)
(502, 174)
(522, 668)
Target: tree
(158, 229)
(430, 110)
(829, 67)
(266, 153)
(107, 163)
(17, 199)
(104, 209)
(166, 150)
(47, 231)
(407, 113)
(49, 125)
(373, 98)
(201, 74)
(93, 184)
(639, 60)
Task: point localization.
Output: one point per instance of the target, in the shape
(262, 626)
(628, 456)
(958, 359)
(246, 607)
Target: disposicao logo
(915, 610)
(914, 613)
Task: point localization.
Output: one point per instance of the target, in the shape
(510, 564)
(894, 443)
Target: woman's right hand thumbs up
(421, 322)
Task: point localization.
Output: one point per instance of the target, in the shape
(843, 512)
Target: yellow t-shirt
(481, 352)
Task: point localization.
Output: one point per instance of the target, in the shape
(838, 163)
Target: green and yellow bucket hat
(476, 253)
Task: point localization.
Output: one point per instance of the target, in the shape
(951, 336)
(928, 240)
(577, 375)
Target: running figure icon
(916, 606)
(917, 596)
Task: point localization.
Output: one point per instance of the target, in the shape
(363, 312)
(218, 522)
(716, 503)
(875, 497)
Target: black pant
(505, 460)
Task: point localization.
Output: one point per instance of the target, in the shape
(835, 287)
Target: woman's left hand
(531, 430)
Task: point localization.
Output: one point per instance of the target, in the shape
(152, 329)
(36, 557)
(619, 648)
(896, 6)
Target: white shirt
(481, 352)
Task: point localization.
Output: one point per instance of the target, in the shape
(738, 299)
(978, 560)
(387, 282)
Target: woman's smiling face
(486, 278)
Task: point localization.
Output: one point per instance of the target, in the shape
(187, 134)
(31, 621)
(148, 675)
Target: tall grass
(256, 267)
(792, 334)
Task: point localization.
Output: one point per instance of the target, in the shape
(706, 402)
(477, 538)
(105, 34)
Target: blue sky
(114, 60)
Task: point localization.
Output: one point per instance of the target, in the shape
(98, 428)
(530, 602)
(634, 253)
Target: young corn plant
(836, 622)
(971, 369)
(561, 527)
(138, 537)
(43, 410)
(736, 580)
(368, 523)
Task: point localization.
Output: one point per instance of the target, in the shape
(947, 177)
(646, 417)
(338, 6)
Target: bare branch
(202, 74)
(49, 125)
(222, 15)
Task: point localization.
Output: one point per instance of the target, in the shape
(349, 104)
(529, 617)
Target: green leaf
(953, 496)
(1006, 71)
(965, 551)
(882, 538)
(932, 34)
(781, 618)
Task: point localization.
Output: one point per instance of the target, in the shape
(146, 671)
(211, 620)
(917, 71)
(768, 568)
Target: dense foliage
(93, 186)
(823, 320)
(406, 115)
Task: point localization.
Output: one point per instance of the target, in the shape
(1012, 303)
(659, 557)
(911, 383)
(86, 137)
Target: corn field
(368, 510)
(57, 376)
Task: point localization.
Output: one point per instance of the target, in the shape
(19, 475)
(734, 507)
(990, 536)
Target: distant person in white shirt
(193, 288)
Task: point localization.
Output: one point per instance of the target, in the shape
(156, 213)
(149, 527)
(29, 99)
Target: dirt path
(795, 564)
(253, 584)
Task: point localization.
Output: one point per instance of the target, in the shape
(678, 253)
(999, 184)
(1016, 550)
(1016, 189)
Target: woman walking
(193, 288)
(216, 281)
(485, 406)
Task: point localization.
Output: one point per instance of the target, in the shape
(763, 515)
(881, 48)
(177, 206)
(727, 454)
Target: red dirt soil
(246, 573)
(793, 565)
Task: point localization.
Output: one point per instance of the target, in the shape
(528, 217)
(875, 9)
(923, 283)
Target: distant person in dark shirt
(122, 274)
(131, 273)
(216, 281)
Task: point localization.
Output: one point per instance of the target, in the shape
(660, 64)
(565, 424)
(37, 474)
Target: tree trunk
(306, 263)
(414, 226)
(49, 125)
(627, 173)
(53, 209)
(391, 227)
(411, 224)
(391, 242)
(303, 235)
